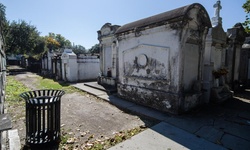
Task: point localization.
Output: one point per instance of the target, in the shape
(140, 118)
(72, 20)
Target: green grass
(45, 83)
(49, 84)
(14, 102)
(13, 89)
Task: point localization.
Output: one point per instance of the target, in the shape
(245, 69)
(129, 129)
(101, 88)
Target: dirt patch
(84, 118)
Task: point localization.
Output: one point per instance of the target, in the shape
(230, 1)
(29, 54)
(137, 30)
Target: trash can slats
(43, 109)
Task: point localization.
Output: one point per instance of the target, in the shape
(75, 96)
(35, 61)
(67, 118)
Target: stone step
(105, 88)
(3, 143)
(5, 122)
(14, 140)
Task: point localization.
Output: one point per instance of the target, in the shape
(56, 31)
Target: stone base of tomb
(192, 100)
(221, 94)
(102, 80)
(166, 101)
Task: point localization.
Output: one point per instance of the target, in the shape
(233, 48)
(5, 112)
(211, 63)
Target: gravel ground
(84, 118)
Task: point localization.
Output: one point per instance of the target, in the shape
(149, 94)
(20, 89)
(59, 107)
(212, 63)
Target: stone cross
(217, 7)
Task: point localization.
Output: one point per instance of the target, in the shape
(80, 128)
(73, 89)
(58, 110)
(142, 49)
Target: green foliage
(2, 12)
(45, 83)
(23, 38)
(62, 41)
(246, 7)
(64, 137)
(56, 41)
(51, 43)
(3, 21)
(79, 49)
(95, 49)
(13, 89)
(39, 48)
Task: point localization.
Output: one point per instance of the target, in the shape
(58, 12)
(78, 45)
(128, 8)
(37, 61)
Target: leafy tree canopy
(62, 41)
(2, 12)
(3, 21)
(51, 43)
(40, 47)
(95, 49)
(22, 38)
(56, 41)
(246, 7)
(78, 49)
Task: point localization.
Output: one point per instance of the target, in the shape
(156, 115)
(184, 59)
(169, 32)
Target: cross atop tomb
(217, 7)
(217, 19)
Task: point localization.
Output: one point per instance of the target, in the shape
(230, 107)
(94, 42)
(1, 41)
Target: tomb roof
(174, 15)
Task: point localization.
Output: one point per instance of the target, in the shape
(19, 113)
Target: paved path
(225, 126)
(164, 136)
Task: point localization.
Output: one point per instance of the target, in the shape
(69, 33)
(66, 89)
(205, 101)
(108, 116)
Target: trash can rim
(23, 95)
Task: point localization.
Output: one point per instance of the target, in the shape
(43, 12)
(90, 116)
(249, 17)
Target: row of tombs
(173, 61)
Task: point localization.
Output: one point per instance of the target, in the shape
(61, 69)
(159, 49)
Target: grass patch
(64, 137)
(118, 138)
(46, 83)
(16, 105)
(13, 89)
(64, 145)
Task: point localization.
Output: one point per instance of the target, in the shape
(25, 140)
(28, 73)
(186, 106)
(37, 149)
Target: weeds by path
(16, 107)
(13, 89)
(46, 83)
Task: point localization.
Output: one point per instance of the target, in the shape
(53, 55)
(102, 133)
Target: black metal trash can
(43, 109)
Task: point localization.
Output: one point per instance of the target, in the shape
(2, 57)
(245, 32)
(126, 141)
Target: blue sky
(79, 20)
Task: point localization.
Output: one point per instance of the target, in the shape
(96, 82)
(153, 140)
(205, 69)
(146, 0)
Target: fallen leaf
(89, 144)
(83, 134)
(70, 141)
(91, 136)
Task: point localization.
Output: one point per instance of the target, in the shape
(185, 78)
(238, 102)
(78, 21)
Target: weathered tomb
(79, 68)
(236, 38)
(245, 64)
(161, 59)
(215, 69)
(69, 66)
(51, 62)
(108, 55)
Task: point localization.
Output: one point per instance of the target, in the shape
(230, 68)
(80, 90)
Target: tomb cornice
(107, 30)
(179, 15)
(236, 34)
(219, 36)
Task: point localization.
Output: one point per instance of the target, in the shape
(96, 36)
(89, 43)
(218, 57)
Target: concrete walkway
(225, 126)
(164, 136)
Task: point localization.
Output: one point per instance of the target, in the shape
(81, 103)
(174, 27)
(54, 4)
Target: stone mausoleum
(167, 61)
(161, 59)
(108, 55)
